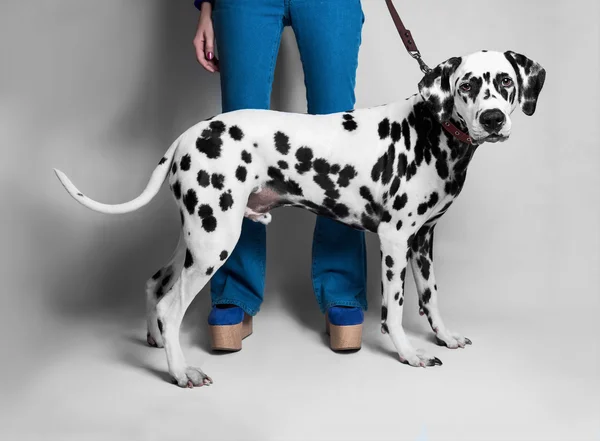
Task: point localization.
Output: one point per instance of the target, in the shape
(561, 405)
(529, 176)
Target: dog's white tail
(156, 180)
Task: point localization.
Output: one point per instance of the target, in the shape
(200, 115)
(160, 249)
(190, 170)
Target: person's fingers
(209, 48)
(199, 45)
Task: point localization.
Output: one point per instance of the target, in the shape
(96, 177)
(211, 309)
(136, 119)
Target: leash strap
(407, 39)
(413, 51)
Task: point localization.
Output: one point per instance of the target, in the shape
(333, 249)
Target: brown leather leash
(413, 51)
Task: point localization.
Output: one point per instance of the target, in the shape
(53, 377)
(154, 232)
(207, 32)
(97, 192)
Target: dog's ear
(436, 90)
(530, 79)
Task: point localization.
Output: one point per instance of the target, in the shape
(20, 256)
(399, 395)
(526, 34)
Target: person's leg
(248, 33)
(329, 36)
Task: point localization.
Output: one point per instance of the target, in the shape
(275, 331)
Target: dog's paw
(419, 358)
(451, 340)
(192, 377)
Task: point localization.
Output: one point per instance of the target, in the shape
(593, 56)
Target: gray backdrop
(100, 89)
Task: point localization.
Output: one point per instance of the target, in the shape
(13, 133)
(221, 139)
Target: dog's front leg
(421, 261)
(394, 255)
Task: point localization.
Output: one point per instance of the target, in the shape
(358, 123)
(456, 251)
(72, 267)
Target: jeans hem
(231, 301)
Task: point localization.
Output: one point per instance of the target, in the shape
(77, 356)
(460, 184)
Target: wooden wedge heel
(343, 337)
(229, 337)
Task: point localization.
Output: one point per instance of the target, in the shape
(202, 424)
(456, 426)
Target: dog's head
(481, 90)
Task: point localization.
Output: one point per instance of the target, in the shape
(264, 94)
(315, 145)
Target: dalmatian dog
(392, 170)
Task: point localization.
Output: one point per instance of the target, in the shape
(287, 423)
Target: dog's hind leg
(422, 267)
(208, 244)
(157, 286)
(395, 251)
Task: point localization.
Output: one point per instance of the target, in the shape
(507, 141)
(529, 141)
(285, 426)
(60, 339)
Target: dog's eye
(507, 82)
(465, 87)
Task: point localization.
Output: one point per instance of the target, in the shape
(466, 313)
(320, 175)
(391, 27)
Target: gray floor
(519, 381)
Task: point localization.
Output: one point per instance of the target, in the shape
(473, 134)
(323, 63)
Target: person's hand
(204, 41)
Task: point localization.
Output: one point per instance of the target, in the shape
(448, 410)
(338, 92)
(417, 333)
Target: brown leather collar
(411, 48)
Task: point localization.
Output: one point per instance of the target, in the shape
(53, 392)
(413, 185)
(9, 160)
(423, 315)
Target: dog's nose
(492, 119)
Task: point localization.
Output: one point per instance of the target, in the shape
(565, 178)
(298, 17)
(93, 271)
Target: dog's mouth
(494, 137)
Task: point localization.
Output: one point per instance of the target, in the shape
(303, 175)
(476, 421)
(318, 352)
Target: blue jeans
(328, 32)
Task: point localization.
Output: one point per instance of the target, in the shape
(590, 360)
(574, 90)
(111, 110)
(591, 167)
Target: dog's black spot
(236, 133)
(189, 260)
(378, 167)
(486, 77)
(217, 180)
(395, 131)
(384, 312)
(185, 162)
(385, 329)
(390, 275)
(325, 182)
(400, 202)
(425, 266)
(388, 166)
(403, 274)
(282, 165)
(162, 160)
(406, 134)
(396, 296)
(209, 270)
(217, 127)
(399, 225)
(182, 218)
(177, 189)
(340, 210)
(368, 223)
(386, 216)
(190, 200)
(365, 192)
(204, 211)
(203, 179)
(156, 275)
(223, 255)
(174, 168)
(159, 292)
(349, 123)
(427, 296)
(384, 128)
(389, 261)
(395, 186)
(282, 143)
(304, 156)
(210, 143)
(241, 173)
(402, 165)
(486, 94)
(246, 157)
(209, 224)
(321, 166)
(281, 185)
(441, 166)
(503, 91)
(473, 93)
(401, 301)
(346, 175)
(225, 201)
(335, 169)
